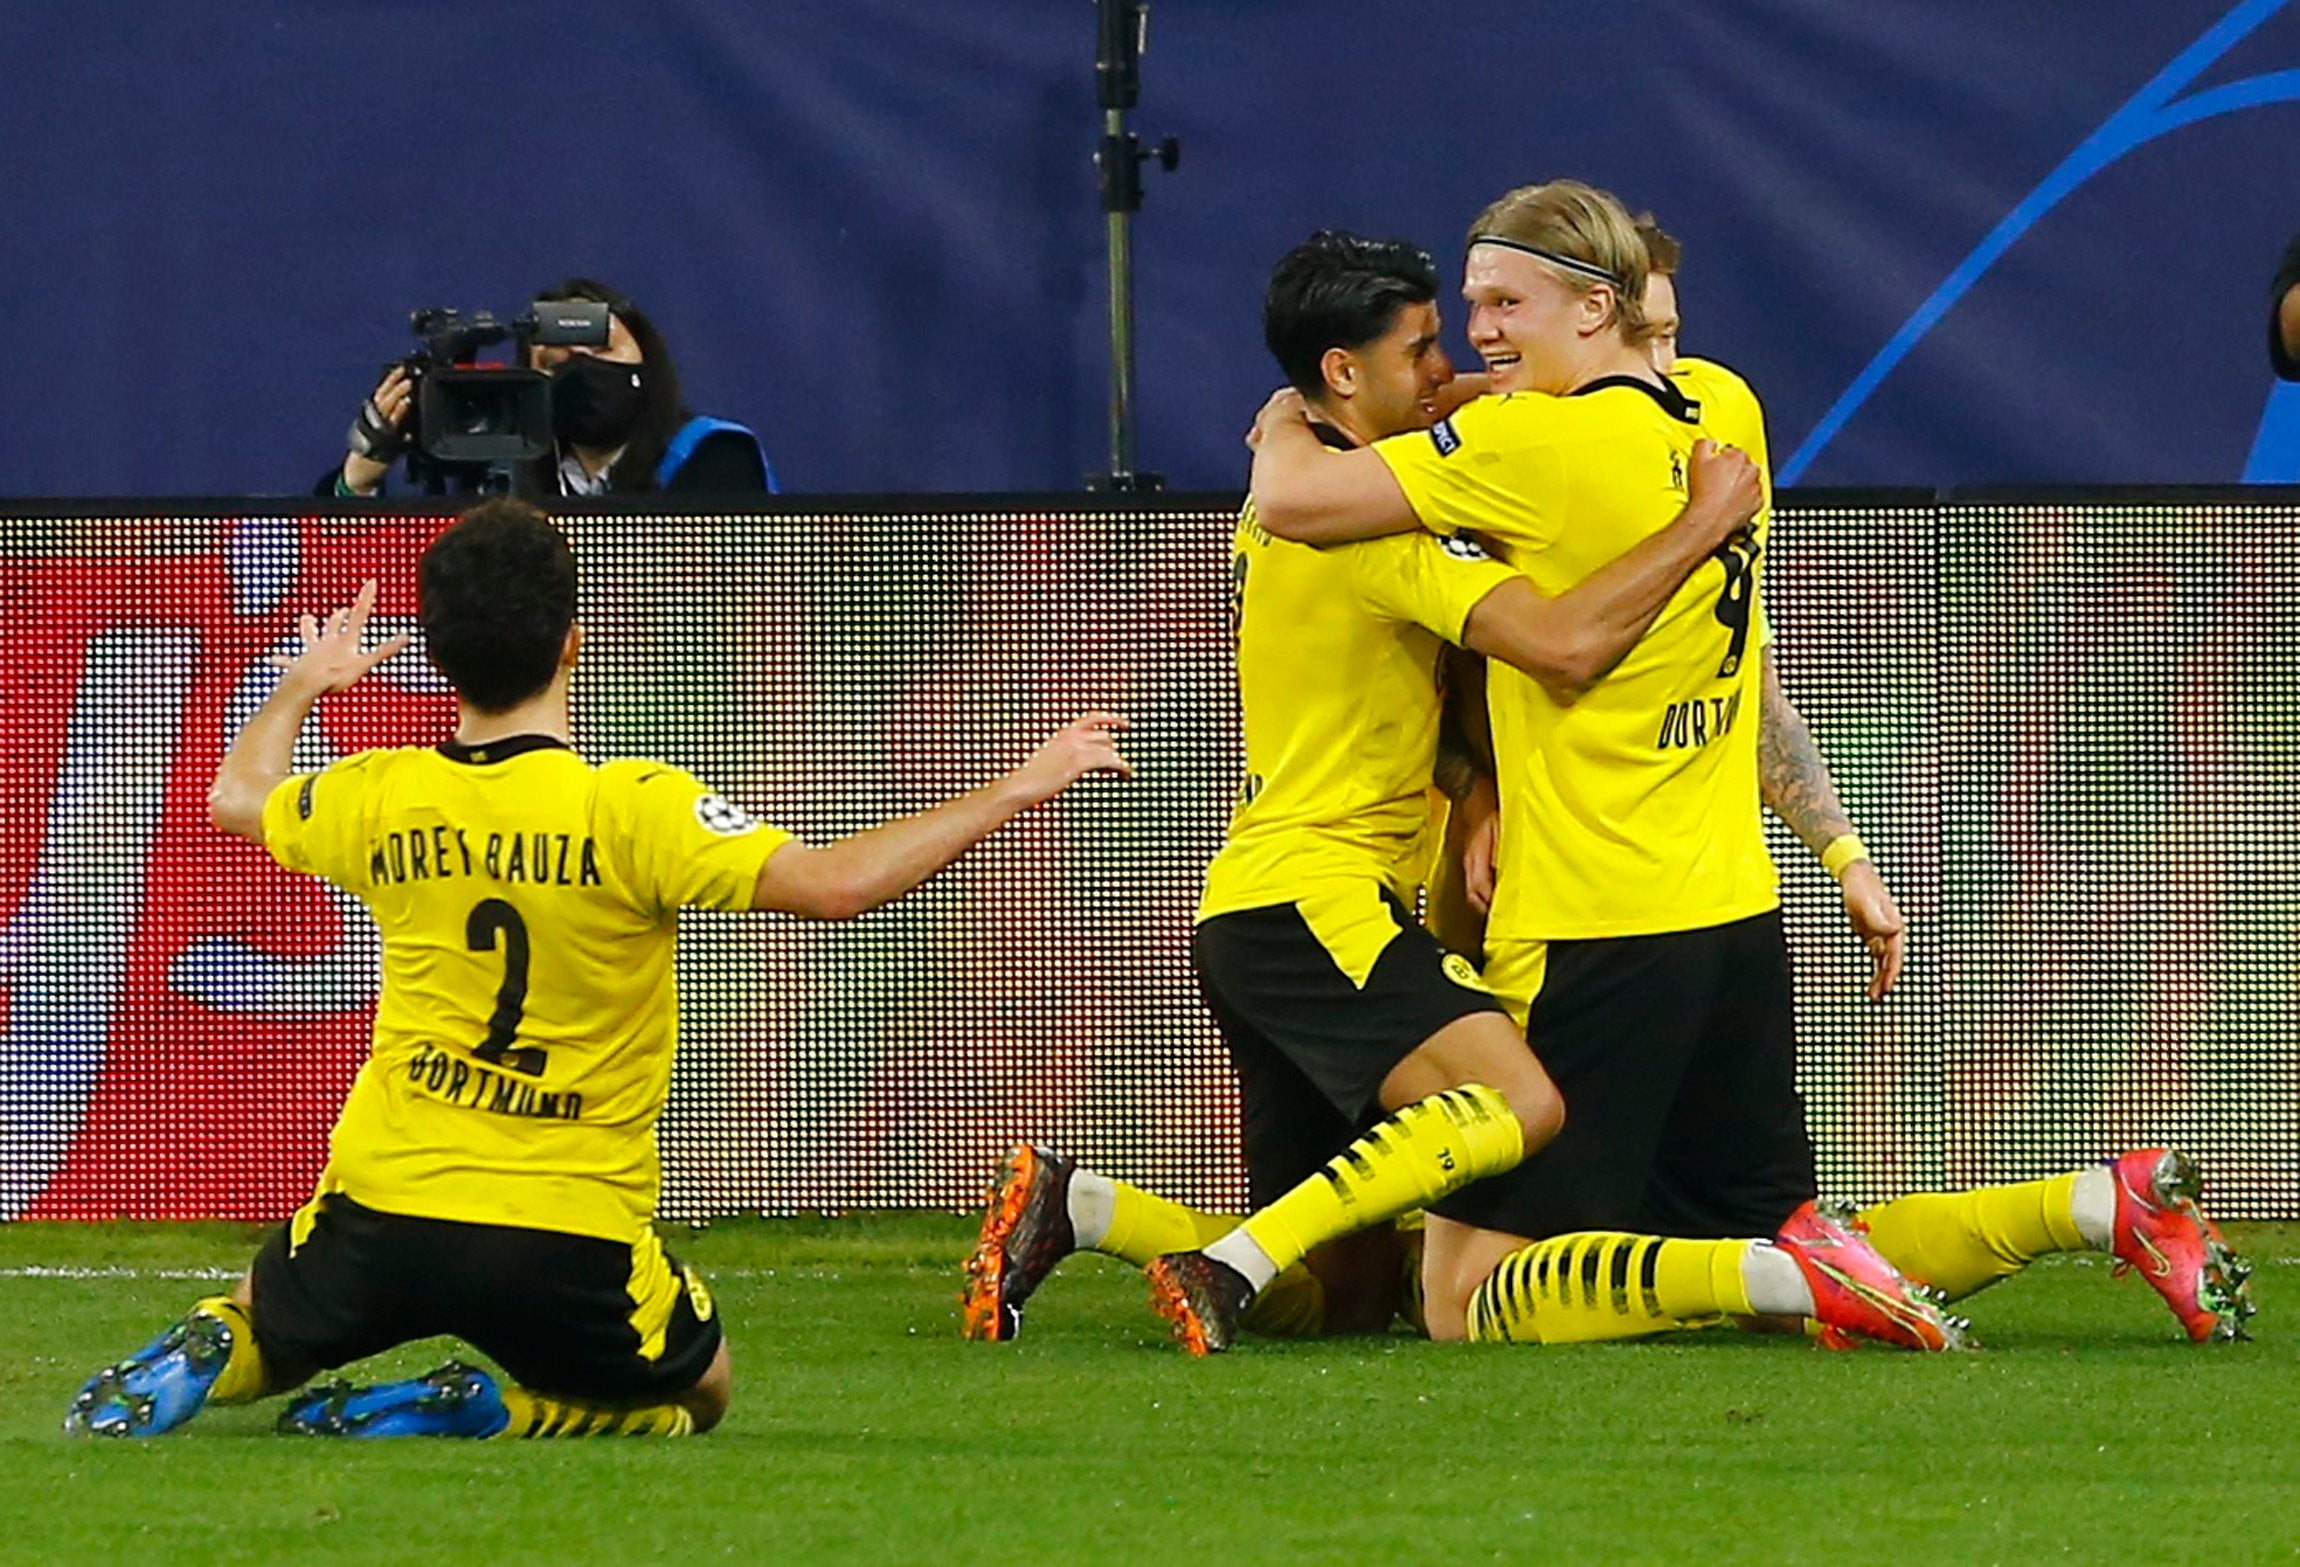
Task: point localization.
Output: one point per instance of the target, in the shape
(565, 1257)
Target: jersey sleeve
(1425, 581)
(1494, 467)
(313, 822)
(681, 843)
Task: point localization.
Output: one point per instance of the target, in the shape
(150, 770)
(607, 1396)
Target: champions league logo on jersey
(723, 816)
(1463, 547)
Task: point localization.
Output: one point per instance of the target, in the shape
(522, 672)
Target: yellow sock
(1145, 1226)
(1432, 1147)
(242, 1379)
(1960, 1242)
(533, 1415)
(1292, 1305)
(1579, 1289)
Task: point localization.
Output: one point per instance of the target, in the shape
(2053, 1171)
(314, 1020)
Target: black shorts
(1310, 1047)
(1677, 1059)
(571, 1316)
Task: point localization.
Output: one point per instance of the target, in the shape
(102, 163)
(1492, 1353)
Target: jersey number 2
(493, 917)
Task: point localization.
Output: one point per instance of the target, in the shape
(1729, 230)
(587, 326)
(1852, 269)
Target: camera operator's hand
(379, 434)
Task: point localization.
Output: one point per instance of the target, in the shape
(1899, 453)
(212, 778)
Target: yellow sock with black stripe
(1580, 1289)
(533, 1415)
(242, 1379)
(1145, 1226)
(1960, 1242)
(1428, 1149)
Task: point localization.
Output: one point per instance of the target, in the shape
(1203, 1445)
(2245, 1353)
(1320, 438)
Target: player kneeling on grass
(493, 1174)
(1376, 1074)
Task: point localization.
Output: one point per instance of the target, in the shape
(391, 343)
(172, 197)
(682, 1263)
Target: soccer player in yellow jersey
(1635, 923)
(493, 1174)
(1334, 1003)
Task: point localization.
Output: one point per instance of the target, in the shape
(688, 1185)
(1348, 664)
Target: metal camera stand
(1118, 159)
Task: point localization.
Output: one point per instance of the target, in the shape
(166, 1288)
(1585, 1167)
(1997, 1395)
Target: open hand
(1086, 745)
(330, 658)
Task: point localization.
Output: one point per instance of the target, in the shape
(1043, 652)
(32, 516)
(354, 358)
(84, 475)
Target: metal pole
(1120, 223)
(1122, 27)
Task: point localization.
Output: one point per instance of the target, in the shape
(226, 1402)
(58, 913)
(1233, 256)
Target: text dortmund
(1696, 723)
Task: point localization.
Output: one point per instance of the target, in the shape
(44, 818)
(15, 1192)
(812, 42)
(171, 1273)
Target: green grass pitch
(864, 1430)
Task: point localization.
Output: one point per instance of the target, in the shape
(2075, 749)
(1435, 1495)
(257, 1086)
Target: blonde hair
(1584, 236)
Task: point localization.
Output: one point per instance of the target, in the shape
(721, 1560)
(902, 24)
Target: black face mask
(597, 402)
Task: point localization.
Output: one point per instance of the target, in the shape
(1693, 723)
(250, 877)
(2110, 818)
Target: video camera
(476, 422)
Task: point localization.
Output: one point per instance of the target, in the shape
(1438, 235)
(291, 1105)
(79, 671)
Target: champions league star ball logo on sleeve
(723, 816)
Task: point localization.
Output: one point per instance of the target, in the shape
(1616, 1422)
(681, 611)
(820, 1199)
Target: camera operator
(620, 424)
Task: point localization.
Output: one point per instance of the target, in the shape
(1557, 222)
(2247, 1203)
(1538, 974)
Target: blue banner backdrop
(1951, 243)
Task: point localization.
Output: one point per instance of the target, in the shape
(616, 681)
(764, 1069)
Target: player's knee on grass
(707, 1400)
(282, 1372)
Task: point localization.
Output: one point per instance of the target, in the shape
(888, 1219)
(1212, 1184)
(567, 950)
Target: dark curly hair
(495, 594)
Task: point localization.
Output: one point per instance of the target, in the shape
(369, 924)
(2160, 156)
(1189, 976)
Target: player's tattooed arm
(1795, 783)
(1791, 773)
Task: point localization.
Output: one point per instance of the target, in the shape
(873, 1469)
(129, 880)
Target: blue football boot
(160, 1386)
(455, 1400)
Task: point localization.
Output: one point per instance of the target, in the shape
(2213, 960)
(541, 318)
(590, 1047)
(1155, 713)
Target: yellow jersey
(528, 905)
(1337, 682)
(1632, 809)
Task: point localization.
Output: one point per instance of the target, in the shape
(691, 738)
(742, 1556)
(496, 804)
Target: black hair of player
(666, 407)
(495, 594)
(1337, 290)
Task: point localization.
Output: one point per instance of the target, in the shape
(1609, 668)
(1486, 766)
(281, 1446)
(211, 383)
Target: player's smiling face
(1397, 376)
(1524, 323)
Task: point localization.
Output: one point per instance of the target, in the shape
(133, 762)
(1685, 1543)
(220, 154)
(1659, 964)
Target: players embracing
(1636, 929)
(1635, 926)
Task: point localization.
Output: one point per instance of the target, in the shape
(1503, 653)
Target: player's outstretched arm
(855, 875)
(329, 659)
(1794, 780)
(1571, 642)
(1305, 491)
